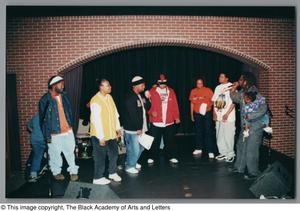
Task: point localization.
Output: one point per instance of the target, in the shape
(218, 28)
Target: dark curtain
(13, 154)
(180, 64)
(73, 81)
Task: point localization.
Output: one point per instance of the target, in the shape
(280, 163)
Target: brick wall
(40, 47)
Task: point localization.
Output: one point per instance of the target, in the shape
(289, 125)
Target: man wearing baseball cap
(56, 123)
(135, 123)
(164, 112)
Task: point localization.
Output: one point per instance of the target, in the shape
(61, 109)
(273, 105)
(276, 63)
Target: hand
(139, 132)
(154, 113)
(102, 142)
(177, 121)
(119, 134)
(192, 118)
(225, 117)
(234, 86)
(214, 116)
(147, 94)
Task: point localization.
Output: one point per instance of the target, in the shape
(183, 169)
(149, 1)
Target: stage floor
(191, 178)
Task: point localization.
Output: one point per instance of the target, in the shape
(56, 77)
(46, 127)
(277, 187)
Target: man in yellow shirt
(105, 130)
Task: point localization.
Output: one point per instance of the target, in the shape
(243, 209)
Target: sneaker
(101, 181)
(211, 155)
(138, 166)
(59, 177)
(197, 152)
(132, 170)
(173, 160)
(230, 160)
(115, 177)
(221, 157)
(150, 161)
(73, 177)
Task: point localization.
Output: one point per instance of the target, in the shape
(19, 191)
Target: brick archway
(165, 42)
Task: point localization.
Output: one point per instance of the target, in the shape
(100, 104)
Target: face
(105, 87)
(247, 99)
(241, 81)
(162, 86)
(59, 87)
(199, 83)
(223, 78)
(140, 88)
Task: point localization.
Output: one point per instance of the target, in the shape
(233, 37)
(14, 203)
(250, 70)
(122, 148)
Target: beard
(58, 90)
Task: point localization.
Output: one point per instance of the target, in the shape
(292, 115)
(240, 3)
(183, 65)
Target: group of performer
(156, 113)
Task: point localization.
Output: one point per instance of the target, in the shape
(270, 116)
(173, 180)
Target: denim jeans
(38, 149)
(248, 150)
(133, 149)
(99, 156)
(64, 143)
(204, 131)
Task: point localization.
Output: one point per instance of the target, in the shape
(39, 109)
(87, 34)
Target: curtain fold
(73, 81)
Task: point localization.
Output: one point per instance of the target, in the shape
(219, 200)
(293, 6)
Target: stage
(191, 178)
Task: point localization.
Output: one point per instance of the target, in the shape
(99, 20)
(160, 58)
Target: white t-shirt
(164, 96)
(222, 102)
(145, 128)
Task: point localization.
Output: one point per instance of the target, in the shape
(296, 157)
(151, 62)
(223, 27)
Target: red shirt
(199, 96)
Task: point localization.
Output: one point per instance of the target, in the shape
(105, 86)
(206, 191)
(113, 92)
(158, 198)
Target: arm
(43, 106)
(192, 112)
(30, 125)
(95, 114)
(253, 116)
(236, 97)
(225, 116)
(176, 109)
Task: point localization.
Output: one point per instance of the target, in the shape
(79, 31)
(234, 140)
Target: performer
(201, 115)
(163, 113)
(38, 146)
(248, 150)
(224, 116)
(104, 131)
(56, 122)
(135, 123)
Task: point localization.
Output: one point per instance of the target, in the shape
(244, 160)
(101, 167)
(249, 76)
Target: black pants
(169, 142)
(203, 126)
(99, 155)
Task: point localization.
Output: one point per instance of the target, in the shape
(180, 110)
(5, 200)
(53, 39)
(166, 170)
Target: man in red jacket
(162, 115)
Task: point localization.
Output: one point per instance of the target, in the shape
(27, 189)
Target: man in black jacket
(135, 123)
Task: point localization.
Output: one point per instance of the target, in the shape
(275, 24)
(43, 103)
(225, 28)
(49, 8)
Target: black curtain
(13, 154)
(181, 65)
(73, 81)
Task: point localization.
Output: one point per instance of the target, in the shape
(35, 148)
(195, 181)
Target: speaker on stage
(274, 181)
(81, 190)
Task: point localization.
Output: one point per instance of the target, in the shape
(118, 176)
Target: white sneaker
(132, 170)
(101, 181)
(173, 160)
(150, 161)
(221, 157)
(138, 166)
(115, 177)
(197, 152)
(211, 155)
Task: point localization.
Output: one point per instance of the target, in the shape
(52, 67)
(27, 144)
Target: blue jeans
(62, 144)
(133, 150)
(38, 149)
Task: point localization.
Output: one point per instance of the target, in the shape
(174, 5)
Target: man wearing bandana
(164, 112)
